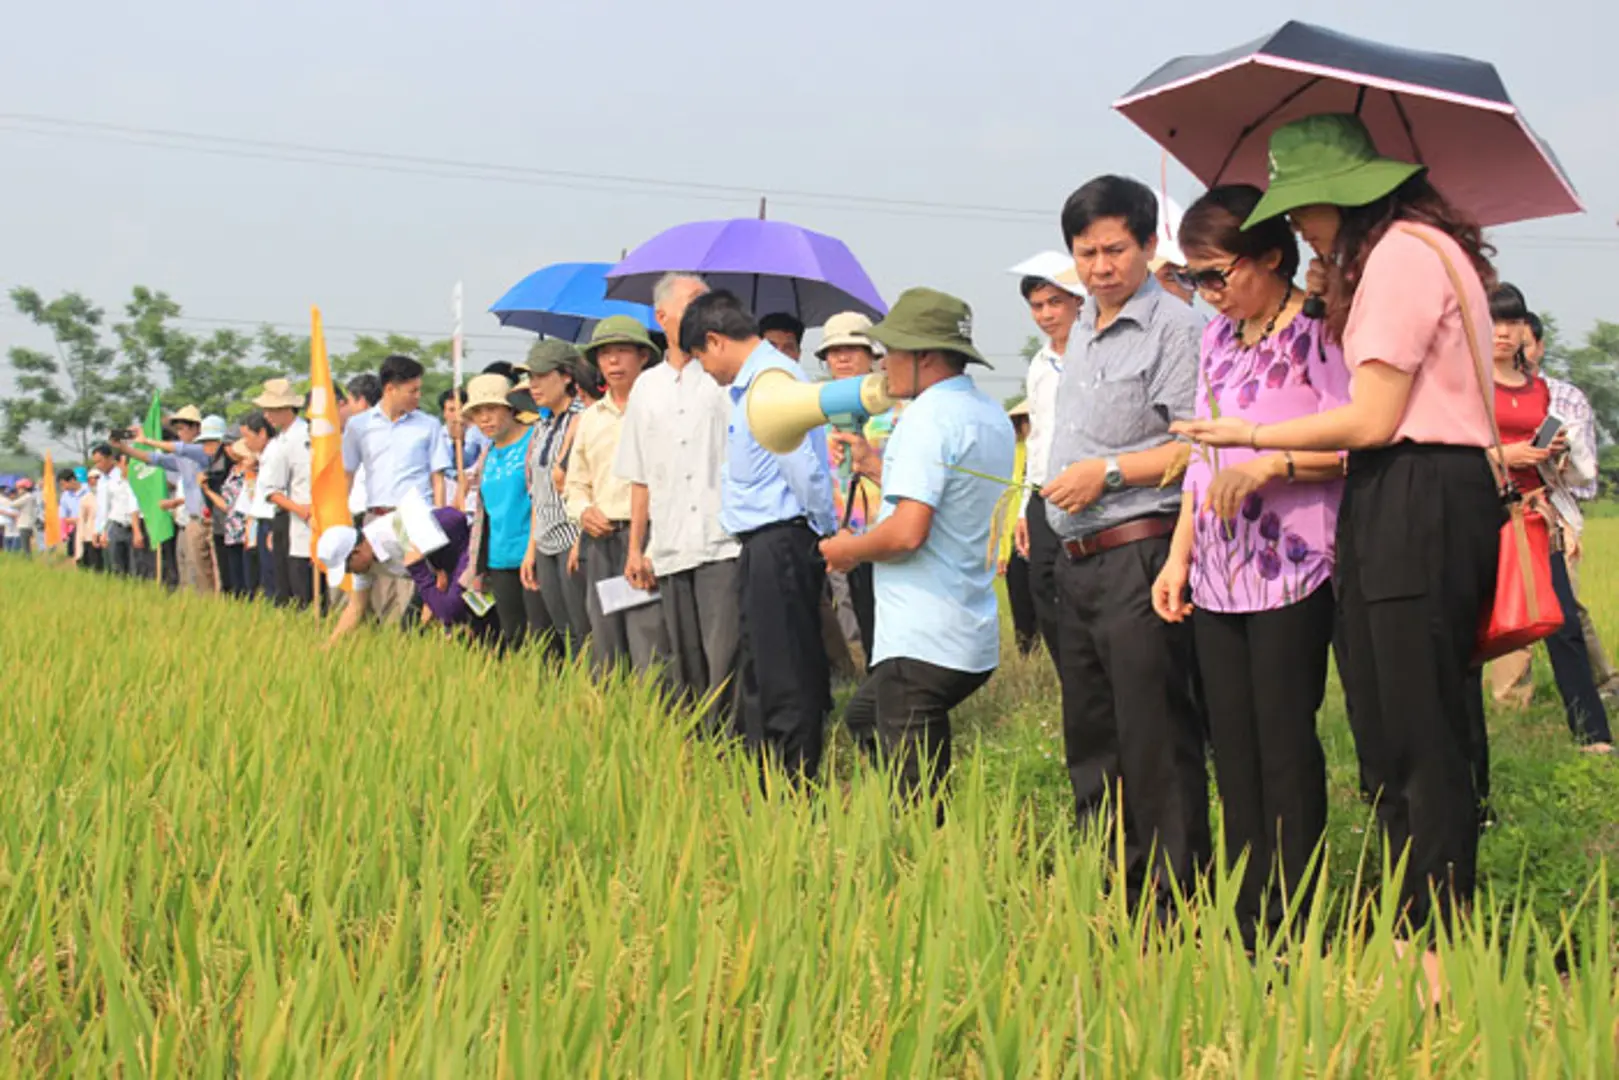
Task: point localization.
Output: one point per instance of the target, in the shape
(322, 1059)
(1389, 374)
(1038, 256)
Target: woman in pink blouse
(1255, 540)
(1418, 526)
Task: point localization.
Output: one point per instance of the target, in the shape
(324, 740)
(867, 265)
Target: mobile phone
(1549, 428)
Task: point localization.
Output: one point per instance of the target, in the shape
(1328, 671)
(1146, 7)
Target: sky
(969, 105)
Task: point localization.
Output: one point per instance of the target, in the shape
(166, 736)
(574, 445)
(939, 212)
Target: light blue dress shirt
(762, 488)
(187, 461)
(938, 604)
(399, 455)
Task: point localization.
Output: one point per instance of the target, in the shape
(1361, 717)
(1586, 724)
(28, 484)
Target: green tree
(82, 390)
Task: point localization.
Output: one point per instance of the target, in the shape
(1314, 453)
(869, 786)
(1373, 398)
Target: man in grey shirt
(1131, 711)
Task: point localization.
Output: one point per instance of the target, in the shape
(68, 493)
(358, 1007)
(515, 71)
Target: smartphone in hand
(1547, 433)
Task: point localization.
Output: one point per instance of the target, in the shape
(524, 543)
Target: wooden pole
(761, 208)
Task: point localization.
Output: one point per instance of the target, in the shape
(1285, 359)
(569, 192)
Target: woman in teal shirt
(504, 510)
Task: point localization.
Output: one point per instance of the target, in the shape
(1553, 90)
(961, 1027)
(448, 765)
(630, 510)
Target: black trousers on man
(1264, 676)
(120, 549)
(1571, 664)
(1131, 713)
(281, 547)
(913, 699)
(1045, 553)
(1020, 597)
(784, 684)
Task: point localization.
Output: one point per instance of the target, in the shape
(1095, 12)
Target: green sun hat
(621, 330)
(924, 320)
(1326, 159)
(548, 355)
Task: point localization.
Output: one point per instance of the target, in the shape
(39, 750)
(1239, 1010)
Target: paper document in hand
(617, 594)
(421, 527)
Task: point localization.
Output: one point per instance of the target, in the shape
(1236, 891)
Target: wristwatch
(1113, 478)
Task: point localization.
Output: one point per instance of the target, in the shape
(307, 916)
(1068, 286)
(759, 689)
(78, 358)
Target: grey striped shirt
(553, 532)
(1120, 389)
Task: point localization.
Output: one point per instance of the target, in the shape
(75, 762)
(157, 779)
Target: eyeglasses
(1212, 279)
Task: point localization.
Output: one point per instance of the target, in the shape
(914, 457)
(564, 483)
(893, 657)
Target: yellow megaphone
(783, 409)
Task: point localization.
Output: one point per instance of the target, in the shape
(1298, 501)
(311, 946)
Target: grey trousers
(702, 617)
(564, 597)
(635, 635)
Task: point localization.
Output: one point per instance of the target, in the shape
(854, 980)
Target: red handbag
(1525, 608)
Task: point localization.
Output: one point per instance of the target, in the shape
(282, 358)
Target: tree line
(101, 373)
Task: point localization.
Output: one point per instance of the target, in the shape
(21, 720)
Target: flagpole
(455, 390)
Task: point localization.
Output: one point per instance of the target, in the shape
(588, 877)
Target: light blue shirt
(503, 492)
(399, 455)
(762, 488)
(188, 461)
(938, 604)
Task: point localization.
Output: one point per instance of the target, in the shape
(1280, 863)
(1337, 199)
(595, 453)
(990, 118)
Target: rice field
(225, 853)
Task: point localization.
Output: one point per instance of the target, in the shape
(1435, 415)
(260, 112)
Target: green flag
(149, 484)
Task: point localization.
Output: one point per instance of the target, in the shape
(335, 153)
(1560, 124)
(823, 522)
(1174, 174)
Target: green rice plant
(224, 852)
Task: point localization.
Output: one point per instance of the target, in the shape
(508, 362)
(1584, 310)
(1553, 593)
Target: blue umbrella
(565, 301)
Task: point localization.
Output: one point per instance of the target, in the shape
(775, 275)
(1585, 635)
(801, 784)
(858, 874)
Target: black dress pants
(1045, 553)
(863, 598)
(914, 699)
(281, 536)
(1571, 664)
(511, 606)
(1131, 714)
(1020, 596)
(1418, 535)
(784, 680)
(1264, 676)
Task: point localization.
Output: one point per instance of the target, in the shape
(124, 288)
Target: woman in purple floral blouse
(1255, 544)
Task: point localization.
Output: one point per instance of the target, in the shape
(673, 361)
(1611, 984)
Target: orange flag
(53, 518)
(328, 484)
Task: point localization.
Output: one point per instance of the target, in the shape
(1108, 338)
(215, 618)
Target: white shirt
(1045, 371)
(117, 503)
(286, 471)
(357, 498)
(673, 440)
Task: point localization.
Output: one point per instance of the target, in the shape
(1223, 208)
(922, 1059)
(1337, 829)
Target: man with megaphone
(776, 499)
(938, 631)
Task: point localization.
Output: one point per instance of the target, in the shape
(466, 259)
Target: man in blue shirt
(778, 506)
(197, 440)
(403, 449)
(938, 632)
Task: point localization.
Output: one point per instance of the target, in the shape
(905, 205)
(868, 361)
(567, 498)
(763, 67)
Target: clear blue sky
(1000, 105)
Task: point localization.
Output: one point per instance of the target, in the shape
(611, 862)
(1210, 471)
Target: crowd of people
(1206, 509)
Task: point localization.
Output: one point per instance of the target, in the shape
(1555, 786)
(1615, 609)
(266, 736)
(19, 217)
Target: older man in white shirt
(672, 452)
(114, 509)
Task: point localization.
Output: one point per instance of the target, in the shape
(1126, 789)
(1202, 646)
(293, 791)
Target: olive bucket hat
(551, 354)
(621, 330)
(922, 320)
(1326, 159)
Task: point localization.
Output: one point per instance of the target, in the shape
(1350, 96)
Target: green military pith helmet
(1326, 159)
(925, 320)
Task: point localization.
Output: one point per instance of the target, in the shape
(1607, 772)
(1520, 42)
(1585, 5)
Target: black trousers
(300, 582)
(784, 684)
(1131, 714)
(1418, 535)
(913, 702)
(233, 561)
(1264, 676)
(1020, 595)
(863, 598)
(120, 549)
(1045, 553)
(90, 558)
(512, 610)
(265, 581)
(281, 540)
(1571, 664)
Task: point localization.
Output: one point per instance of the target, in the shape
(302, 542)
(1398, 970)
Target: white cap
(335, 546)
(1055, 267)
(213, 429)
(846, 328)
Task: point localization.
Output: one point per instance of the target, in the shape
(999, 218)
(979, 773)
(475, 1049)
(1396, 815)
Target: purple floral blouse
(1280, 548)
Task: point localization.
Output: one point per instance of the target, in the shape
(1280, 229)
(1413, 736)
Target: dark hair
(167, 434)
(460, 396)
(1214, 224)
(718, 312)
(399, 369)
(1507, 304)
(1033, 283)
(258, 424)
(958, 361)
(1536, 327)
(367, 387)
(781, 320)
(101, 449)
(501, 368)
(587, 378)
(1362, 227)
(1111, 197)
(64, 475)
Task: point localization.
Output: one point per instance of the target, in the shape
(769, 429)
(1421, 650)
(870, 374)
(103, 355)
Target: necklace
(1242, 326)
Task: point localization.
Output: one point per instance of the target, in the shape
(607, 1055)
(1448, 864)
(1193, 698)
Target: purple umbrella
(772, 265)
(1215, 113)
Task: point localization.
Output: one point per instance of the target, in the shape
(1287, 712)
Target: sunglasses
(1212, 279)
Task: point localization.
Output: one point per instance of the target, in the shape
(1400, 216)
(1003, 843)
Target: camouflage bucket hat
(1328, 159)
(621, 330)
(924, 320)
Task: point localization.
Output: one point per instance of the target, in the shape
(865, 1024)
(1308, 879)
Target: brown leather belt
(1131, 532)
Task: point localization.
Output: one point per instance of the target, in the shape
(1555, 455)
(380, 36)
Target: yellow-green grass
(223, 852)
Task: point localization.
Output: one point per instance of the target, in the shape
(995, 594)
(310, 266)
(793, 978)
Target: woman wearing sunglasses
(1254, 542)
(1405, 280)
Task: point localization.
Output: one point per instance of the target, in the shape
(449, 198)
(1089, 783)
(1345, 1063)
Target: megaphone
(782, 409)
